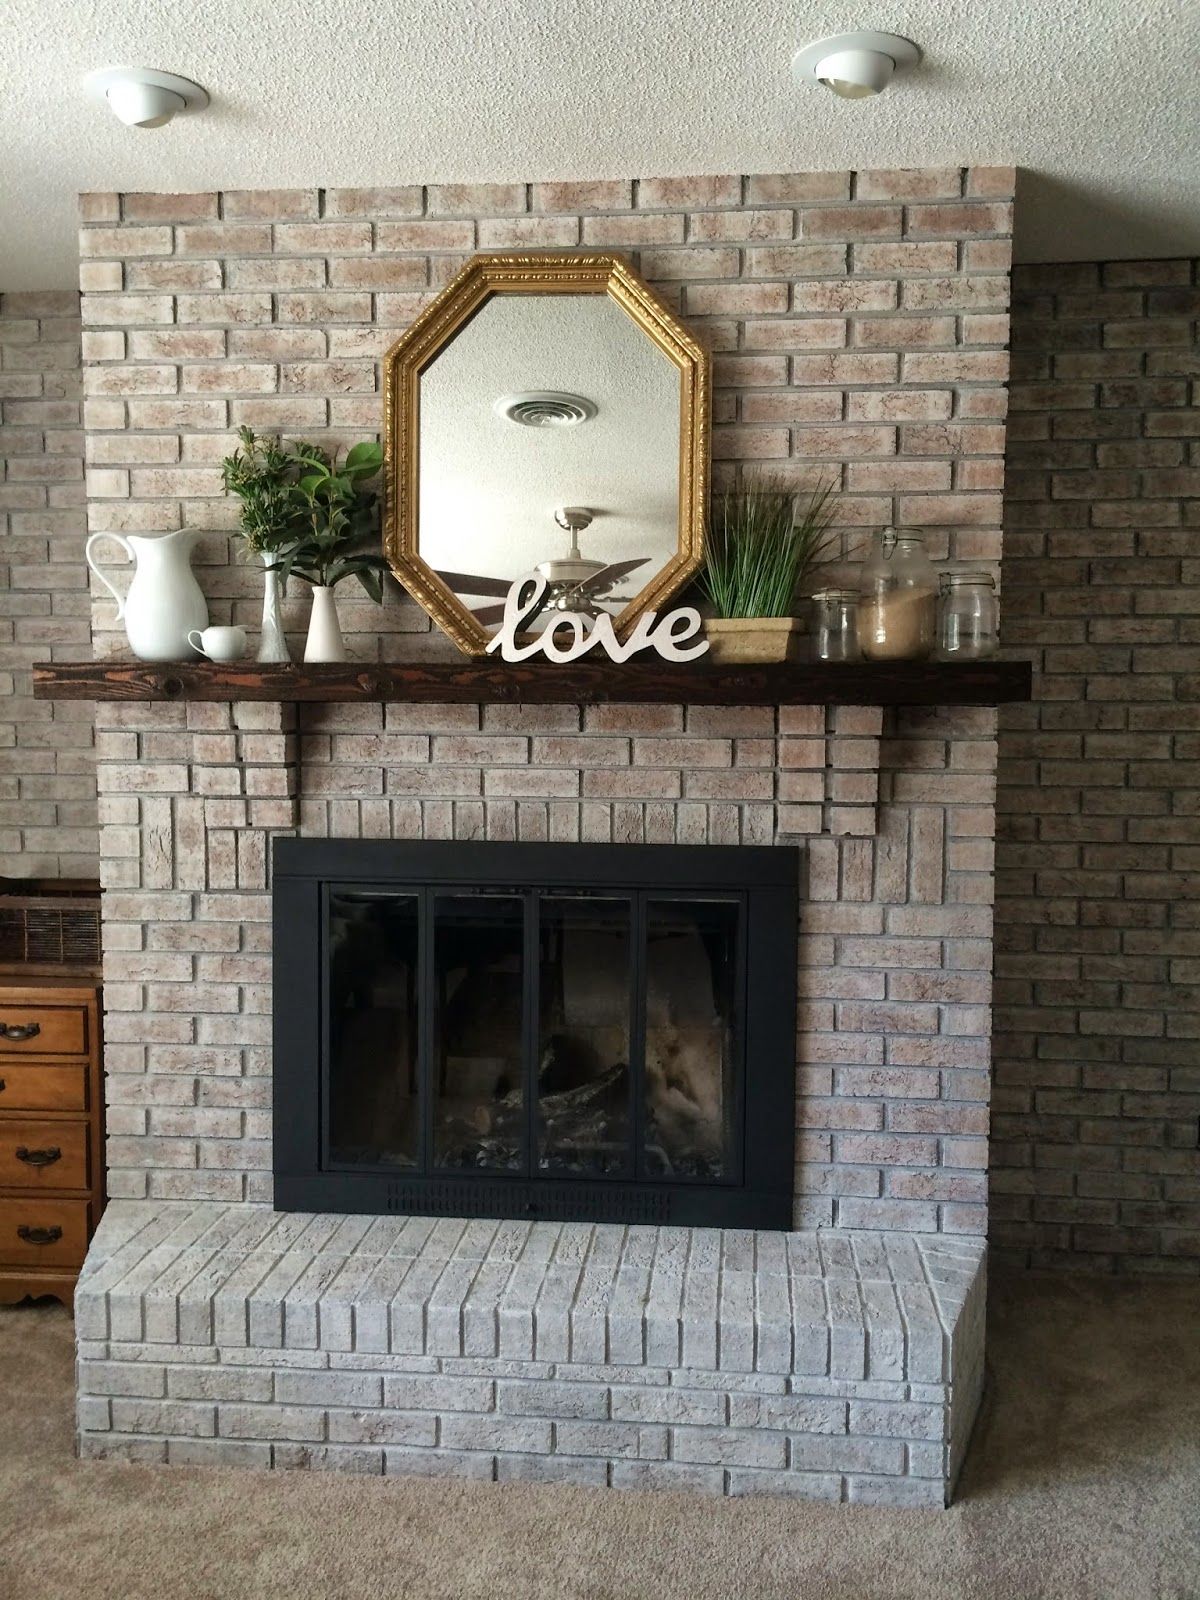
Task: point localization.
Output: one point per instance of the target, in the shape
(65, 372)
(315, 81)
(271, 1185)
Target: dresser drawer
(45, 1087)
(42, 1030)
(43, 1155)
(40, 1232)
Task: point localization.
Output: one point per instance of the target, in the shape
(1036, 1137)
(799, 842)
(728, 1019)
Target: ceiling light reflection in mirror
(549, 434)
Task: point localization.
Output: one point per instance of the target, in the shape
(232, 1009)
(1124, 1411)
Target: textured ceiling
(1096, 98)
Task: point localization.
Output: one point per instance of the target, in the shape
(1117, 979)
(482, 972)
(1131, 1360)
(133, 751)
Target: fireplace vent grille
(565, 1203)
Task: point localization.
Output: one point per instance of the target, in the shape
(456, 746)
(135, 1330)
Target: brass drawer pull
(39, 1235)
(18, 1032)
(38, 1158)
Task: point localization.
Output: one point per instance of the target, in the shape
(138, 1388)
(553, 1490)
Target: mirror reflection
(549, 439)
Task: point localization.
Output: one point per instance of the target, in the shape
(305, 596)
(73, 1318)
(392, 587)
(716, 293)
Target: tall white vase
(273, 645)
(324, 642)
(164, 603)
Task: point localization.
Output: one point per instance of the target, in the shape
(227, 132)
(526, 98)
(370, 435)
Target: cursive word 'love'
(671, 634)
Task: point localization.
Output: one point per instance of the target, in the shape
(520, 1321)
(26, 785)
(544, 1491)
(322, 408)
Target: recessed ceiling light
(855, 65)
(143, 97)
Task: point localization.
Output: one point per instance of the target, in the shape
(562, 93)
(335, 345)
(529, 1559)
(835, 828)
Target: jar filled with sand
(898, 591)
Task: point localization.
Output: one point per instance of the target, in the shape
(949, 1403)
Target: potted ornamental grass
(762, 546)
(336, 521)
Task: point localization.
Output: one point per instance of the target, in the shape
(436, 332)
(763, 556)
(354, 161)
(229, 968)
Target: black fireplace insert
(563, 1031)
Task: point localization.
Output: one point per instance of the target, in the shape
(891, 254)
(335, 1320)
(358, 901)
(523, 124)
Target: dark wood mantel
(480, 682)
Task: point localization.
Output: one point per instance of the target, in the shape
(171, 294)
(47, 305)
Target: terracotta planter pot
(744, 640)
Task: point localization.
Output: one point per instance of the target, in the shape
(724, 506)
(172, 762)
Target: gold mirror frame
(483, 277)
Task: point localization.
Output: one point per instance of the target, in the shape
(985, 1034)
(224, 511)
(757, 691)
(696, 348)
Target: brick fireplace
(859, 322)
(216, 1309)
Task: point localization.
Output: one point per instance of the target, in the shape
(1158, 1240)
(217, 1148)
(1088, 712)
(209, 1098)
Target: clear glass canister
(969, 625)
(835, 625)
(898, 591)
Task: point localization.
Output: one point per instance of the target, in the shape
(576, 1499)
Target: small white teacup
(219, 644)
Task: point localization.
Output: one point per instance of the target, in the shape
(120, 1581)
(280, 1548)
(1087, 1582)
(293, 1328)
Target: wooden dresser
(51, 1132)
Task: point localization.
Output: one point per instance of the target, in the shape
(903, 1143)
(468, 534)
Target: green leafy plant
(335, 517)
(761, 546)
(262, 474)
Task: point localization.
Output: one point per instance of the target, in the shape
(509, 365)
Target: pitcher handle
(87, 555)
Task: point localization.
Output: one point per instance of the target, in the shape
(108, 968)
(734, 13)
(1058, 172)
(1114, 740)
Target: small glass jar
(898, 589)
(835, 625)
(969, 624)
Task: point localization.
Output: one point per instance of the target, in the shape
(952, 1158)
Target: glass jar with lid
(969, 623)
(835, 625)
(898, 590)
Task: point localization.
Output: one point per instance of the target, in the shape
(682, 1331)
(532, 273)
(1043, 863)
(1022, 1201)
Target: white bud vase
(273, 648)
(324, 642)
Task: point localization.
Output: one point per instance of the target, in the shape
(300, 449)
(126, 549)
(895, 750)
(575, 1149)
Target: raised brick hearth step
(832, 1364)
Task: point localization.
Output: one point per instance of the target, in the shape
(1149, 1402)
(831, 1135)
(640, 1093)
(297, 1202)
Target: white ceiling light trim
(855, 66)
(143, 97)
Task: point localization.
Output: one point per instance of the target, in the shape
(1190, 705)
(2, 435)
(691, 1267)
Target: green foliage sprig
(262, 474)
(335, 518)
(314, 517)
(761, 546)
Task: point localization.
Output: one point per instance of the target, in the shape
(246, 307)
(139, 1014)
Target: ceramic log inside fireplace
(579, 1032)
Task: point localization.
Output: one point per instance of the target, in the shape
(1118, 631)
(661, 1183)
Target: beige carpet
(1083, 1482)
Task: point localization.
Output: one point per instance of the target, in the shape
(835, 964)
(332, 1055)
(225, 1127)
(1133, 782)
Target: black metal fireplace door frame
(763, 879)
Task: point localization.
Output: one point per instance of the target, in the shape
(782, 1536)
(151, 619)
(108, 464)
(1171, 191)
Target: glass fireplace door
(535, 1035)
(479, 1001)
(691, 1047)
(585, 1004)
(373, 1011)
(575, 1035)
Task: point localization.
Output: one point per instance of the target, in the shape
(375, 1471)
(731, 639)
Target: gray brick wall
(1097, 1049)
(47, 786)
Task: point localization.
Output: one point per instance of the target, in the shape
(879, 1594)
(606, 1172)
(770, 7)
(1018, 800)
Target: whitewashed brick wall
(1098, 959)
(859, 324)
(895, 941)
(47, 787)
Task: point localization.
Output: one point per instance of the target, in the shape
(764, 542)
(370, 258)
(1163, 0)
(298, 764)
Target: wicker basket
(50, 923)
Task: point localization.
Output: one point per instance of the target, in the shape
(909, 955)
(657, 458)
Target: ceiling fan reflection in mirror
(575, 582)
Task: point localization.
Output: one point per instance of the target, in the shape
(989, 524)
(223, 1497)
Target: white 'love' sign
(670, 634)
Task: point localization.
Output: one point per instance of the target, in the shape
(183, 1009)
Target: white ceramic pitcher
(164, 602)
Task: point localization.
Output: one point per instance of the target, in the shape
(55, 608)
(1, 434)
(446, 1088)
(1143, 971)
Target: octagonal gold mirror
(545, 413)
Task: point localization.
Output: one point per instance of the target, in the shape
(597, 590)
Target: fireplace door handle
(39, 1235)
(18, 1032)
(38, 1158)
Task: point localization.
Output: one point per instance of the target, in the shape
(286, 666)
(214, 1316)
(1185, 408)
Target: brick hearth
(831, 1365)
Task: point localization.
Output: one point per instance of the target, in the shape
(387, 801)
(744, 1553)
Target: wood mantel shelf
(481, 682)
